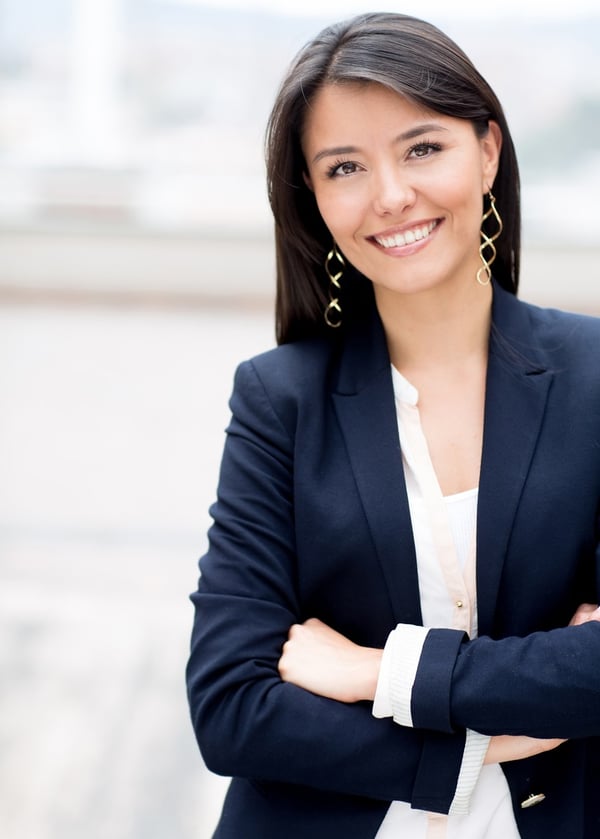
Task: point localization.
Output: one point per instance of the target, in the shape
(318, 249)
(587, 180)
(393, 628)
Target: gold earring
(484, 274)
(333, 311)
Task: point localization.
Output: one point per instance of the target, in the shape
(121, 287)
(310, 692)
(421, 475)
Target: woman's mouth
(406, 237)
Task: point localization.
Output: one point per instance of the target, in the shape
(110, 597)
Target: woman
(407, 515)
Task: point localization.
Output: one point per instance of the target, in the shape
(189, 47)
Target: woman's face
(400, 188)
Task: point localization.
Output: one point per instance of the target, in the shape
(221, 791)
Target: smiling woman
(388, 195)
(435, 114)
(396, 623)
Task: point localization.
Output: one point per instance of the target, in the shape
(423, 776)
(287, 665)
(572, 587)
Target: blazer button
(532, 800)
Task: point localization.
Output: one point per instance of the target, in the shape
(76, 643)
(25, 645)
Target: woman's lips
(408, 236)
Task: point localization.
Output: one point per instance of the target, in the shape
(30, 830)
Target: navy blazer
(312, 520)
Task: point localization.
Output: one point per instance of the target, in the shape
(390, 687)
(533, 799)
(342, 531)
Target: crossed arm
(319, 659)
(255, 720)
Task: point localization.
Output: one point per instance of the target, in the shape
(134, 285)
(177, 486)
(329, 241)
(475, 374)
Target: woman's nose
(393, 193)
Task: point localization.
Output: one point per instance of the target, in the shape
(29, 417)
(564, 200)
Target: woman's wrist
(367, 672)
(317, 658)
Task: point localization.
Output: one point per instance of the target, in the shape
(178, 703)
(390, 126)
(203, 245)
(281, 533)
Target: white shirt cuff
(476, 746)
(397, 673)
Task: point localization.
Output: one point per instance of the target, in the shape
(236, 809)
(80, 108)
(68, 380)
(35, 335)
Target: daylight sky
(480, 9)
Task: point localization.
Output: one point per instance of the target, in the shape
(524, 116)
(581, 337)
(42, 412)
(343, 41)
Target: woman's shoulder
(287, 377)
(293, 365)
(550, 332)
(565, 329)
(296, 353)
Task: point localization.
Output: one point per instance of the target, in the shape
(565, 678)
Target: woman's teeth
(408, 237)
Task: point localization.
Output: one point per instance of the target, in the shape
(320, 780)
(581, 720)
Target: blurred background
(136, 270)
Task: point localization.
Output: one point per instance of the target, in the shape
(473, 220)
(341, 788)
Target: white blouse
(444, 532)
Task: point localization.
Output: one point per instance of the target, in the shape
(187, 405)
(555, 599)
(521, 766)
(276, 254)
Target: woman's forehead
(349, 107)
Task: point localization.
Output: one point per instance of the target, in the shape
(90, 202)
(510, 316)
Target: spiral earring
(333, 311)
(484, 274)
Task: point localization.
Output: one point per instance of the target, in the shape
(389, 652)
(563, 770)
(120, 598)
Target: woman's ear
(491, 146)
(308, 181)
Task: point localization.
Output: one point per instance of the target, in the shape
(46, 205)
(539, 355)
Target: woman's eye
(424, 149)
(344, 168)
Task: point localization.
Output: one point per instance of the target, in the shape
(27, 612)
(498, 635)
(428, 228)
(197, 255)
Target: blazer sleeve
(546, 684)
(247, 721)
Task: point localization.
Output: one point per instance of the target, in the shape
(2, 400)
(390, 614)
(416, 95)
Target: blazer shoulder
(288, 377)
(290, 368)
(562, 318)
(566, 332)
(545, 338)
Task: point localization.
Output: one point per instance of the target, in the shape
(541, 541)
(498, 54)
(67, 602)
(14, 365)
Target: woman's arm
(586, 612)
(544, 685)
(321, 660)
(248, 721)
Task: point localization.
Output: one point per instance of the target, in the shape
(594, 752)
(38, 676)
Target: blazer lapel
(364, 404)
(516, 396)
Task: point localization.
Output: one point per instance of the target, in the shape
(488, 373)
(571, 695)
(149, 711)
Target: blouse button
(459, 604)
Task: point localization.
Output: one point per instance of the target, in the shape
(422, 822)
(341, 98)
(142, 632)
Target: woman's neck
(441, 328)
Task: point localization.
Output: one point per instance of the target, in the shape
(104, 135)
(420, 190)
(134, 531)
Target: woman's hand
(504, 747)
(586, 612)
(317, 658)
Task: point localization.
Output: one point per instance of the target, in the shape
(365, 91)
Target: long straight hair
(416, 60)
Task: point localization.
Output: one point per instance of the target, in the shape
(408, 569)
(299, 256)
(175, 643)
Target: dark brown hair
(416, 60)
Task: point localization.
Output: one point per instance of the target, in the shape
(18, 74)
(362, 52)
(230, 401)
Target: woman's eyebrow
(335, 152)
(417, 131)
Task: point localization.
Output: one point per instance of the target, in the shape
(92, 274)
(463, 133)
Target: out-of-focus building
(151, 113)
(131, 131)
